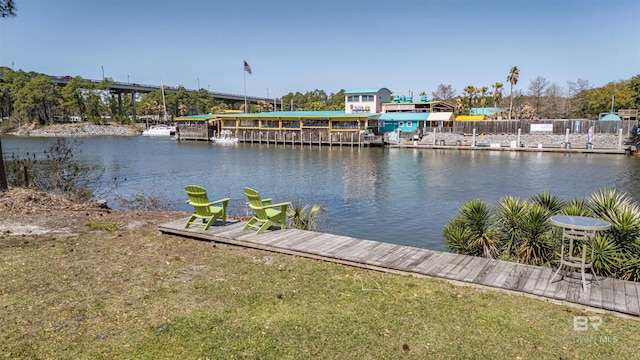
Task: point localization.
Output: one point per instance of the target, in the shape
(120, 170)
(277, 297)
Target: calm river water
(402, 196)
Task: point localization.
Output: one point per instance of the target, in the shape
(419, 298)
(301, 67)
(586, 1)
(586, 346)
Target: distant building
(486, 111)
(402, 114)
(365, 101)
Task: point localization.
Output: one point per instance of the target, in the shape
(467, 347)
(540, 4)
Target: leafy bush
(55, 170)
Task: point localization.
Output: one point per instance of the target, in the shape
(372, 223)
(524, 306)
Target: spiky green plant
(548, 201)
(510, 216)
(456, 237)
(624, 215)
(631, 268)
(605, 201)
(478, 221)
(536, 246)
(607, 256)
(576, 207)
(304, 217)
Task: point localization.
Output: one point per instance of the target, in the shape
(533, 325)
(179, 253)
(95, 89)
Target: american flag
(247, 68)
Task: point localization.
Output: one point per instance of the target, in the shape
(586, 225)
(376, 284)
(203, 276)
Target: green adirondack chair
(266, 213)
(208, 211)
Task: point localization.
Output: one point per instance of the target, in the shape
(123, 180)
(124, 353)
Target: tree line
(543, 99)
(30, 97)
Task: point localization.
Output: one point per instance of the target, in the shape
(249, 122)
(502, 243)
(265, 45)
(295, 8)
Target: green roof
(279, 114)
(196, 117)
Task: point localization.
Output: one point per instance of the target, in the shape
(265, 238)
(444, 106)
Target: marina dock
(607, 295)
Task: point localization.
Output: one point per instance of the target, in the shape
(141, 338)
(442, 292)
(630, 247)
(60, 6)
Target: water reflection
(403, 196)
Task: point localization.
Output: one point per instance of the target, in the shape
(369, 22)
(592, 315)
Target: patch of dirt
(29, 212)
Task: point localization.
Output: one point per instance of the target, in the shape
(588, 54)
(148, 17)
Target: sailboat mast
(164, 104)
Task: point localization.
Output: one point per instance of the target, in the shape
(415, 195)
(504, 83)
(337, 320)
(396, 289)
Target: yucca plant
(304, 217)
(624, 215)
(607, 257)
(631, 268)
(456, 237)
(510, 216)
(576, 207)
(605, 201)
(536, 246)
(478, 221)
(548, 201)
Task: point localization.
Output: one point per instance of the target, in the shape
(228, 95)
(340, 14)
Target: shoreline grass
(137, 294)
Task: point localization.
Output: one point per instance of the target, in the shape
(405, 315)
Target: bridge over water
(119, 88)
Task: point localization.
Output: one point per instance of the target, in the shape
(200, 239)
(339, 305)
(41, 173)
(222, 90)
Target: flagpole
(244, 75)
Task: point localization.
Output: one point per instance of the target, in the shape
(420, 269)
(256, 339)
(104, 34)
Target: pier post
(619, 139)
(434, 135)
(519, 135)
(473, 141)
(566, 137)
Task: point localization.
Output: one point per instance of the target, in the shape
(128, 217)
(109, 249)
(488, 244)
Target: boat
(159, 130)
(226, 137)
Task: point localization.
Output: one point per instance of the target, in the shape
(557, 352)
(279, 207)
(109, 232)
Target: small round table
(576, 231)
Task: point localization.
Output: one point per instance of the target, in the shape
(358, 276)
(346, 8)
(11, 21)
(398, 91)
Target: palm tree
(514, 73)
(483, 96)
(497, 94)
(471, 92)
(7, 8)
(459, 106)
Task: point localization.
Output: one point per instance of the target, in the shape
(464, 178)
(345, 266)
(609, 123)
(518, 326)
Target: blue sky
(329, 45)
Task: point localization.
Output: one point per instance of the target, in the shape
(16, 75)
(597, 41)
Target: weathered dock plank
(453, 270)
(530, 283)
(473, 269)
(632, 297)
(502, 276)
(562, 289)
(543, 280)
(484, 272)
(433, 264)
(595, 295)
(619, 296)
(575, 290)
(413, 260)
(609, 294)
(455, 260)
(388, 257)
(372, 256)
(517, 276)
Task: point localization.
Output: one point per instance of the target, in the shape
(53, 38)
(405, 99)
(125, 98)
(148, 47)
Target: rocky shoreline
(80, 130)
(603, 141)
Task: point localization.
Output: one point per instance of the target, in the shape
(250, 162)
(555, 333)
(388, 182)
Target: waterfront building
(403, 115)
(368, 114)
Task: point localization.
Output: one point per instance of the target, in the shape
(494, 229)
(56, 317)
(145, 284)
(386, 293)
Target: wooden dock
(609, 295)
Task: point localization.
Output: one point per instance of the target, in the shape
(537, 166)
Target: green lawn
(138, 294)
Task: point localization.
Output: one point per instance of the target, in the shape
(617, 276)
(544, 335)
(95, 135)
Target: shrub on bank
(55, 170)
(520, 230)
